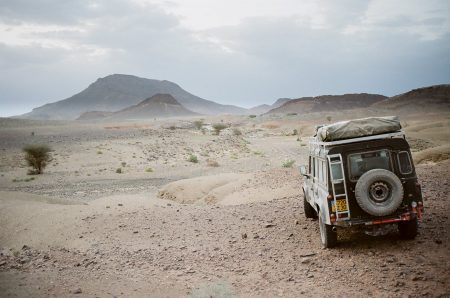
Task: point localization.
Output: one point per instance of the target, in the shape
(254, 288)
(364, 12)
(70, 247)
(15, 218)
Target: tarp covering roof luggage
(358, 128)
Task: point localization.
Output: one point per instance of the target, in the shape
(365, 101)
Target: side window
(310, 165)
(319, 166)
(404, 162)
(316, 167)
(324, 172)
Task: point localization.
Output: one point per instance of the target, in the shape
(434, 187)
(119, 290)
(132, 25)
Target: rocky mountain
(118, 91)
(325, 103)
(427, 99)
(280, 101)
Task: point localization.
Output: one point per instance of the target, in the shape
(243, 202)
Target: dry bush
(271, 126)
(198, 124)
(212, 163)
(37, 157)
(237, 132)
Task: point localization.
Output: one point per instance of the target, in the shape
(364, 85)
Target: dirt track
(261, 249)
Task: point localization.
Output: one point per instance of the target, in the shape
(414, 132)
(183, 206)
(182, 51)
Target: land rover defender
(361, 173)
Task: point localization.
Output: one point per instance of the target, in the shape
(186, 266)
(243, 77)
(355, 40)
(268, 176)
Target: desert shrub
(291, 114)
(37, 157)
(119, 170)
(23, 180)
(198, 124)
(237, 132)
(123, 164)
(193, 158)
(252, 116)
(329, 118)
(212, 163)
(218, 127)
(295, 132)
(172, 127)
(99, 152)
(288, 163)
(32, 133)
(149, 170)
(203, 131)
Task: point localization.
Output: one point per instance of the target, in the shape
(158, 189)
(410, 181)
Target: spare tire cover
(379, 192)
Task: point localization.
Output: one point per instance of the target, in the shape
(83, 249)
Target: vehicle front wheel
(327, 236)
(408, 229)
(308, 209)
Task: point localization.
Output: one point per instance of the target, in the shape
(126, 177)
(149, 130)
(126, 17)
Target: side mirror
(303, 170)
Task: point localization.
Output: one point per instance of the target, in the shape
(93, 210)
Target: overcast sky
(235, 51)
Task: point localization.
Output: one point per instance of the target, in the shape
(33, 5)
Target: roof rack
(314, 144)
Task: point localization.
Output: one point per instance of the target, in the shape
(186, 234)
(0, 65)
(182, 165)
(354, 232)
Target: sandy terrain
(230, 225)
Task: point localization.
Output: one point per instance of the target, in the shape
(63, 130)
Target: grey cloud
(268, 58)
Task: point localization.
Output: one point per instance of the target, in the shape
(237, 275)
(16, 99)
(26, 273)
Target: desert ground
(229, 225)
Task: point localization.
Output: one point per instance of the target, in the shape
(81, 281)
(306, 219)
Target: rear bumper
(407, 216)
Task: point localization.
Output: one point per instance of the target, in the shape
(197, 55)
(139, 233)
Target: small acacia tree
(37, 157)
(218, 127)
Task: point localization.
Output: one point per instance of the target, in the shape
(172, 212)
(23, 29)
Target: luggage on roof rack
(358, 128)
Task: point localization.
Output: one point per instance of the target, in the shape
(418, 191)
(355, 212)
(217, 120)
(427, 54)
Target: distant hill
(325, 103)
(94, 115)
(433, 98)
(258, 110)
(157, 106)
(118, 91)
(262, 109)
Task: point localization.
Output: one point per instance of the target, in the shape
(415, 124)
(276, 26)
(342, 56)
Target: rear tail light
(332, 217)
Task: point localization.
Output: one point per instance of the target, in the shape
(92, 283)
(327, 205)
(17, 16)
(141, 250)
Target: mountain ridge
(118, 91)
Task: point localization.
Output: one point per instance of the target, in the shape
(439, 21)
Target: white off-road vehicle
(360, 173)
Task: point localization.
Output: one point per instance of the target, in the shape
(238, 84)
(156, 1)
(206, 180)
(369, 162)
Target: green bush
(149, 170)
(288, 163)
(119, 170)
(37, 157)
(252, 116)
(218, 127)
(193, 158)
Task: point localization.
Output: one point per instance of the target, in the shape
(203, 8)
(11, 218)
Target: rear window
(360, 163)
(404, 163)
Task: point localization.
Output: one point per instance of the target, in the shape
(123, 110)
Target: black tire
(379, 192)
(308, 209)
(408, 229)
(327, 236)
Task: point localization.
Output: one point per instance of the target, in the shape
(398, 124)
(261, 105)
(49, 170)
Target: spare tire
(379, 192)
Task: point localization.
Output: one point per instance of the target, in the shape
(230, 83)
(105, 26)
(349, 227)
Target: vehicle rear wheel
(308, 209)
(327, 236)
(408, 229)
